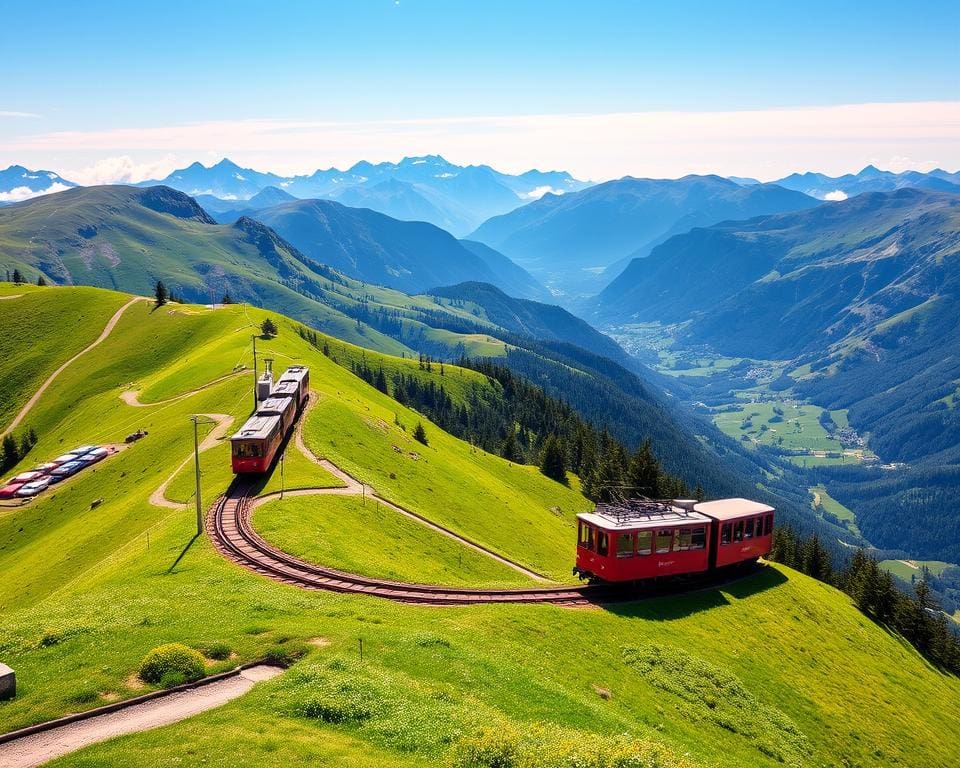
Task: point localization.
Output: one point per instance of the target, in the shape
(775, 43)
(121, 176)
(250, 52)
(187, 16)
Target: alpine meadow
(398, 383)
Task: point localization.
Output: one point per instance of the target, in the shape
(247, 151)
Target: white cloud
(18, 194)
(122, 169)
(8, 113)
(837, 195)
(766, 143)
(537, 192)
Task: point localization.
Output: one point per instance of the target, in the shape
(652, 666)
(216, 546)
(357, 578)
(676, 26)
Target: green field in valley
(775, 669)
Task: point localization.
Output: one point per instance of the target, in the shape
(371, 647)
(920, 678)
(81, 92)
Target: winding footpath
(107, 330)
(51, 740)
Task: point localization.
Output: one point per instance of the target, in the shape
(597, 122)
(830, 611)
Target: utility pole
(282, 455)
(254, 337)
(196, 461)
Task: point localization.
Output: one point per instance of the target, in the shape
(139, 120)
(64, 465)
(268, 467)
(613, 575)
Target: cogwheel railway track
(231, 531)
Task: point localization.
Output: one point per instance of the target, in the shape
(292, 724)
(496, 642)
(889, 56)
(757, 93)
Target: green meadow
(775, 669)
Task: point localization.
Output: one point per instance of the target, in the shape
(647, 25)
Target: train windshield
(248, 449)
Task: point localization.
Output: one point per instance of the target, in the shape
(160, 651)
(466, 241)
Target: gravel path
(45, 746)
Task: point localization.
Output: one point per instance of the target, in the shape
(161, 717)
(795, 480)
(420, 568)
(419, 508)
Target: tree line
(13, 450)
(519, 421)
(916, 617)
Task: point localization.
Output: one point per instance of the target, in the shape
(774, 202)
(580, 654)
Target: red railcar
(742, 530)
(642, 539)
(255, 446)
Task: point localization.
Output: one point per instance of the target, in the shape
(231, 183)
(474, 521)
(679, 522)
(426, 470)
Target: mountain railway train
(255, 445)
(640, 539)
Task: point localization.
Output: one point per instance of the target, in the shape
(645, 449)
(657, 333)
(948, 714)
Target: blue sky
(193, 78)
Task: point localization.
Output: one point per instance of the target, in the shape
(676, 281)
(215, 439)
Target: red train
(639, 539)
(254, 447)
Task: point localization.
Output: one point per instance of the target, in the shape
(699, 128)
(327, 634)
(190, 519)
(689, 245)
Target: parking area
(32, 483)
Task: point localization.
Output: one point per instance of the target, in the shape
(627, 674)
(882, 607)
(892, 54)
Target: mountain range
(863, 298)
(576, 242)
(429, 188)
(870, 179)
(18, 183)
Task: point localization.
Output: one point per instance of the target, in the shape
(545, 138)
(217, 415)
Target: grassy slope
(45, 327)
(364, 537)
(859, 695)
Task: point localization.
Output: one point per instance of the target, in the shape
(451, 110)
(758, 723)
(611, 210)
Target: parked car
(27, 477)
(32, 489)
(65, 458)
(10, 490)
(66, 470)
(97, 454)
(45, 468)
(83, 449)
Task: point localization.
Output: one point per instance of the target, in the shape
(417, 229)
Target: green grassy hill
(775, 669)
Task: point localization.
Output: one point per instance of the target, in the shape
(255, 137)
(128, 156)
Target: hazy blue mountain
(870, 179)
(519, 282)
(228, 211)
(532, 318)
(409, 255)
(866, 292)
(569, 240)
(225, 180)
(429, 188)
(18, 183)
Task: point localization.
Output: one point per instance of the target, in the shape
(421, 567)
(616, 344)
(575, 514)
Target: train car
(741, 530)
(640, 539)
(255, 445)
(300, 375)
(282, 406)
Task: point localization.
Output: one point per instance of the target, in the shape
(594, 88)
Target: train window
(725, 533)
(681, 539)
(768, 525)
(644, 542)
(603, 543)
(586, 536)
(698, 540)
(248, 450)
(748, 529)
(625, 545)
(738, 531)
(663, 540)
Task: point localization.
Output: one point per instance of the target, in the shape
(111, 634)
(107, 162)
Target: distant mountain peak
(871, 171)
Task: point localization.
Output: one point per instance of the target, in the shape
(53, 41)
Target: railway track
(232, 533)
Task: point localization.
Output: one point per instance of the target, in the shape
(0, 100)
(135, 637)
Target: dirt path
(43, 387)
(47, 745)
(132, 396)
(159, 498)
(13, 296)
(353, 487)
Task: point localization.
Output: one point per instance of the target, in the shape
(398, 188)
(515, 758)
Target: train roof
(273, 405)
(640, 514)
(285, 388)
(294, 373)
(257, 428)
(732, 509)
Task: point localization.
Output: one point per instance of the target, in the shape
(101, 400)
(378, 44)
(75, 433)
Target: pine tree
(41, 282)
(326, 348)
(161, 294)
(17, 277)
(644, 474)
(509, 448)
(380, 382)
(11, 452)
(227, 298)
(553, 462)
(267, 328)
(816, 560)
(420, 434)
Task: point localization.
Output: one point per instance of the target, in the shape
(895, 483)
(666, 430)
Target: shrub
(218, 651)
(285, 655)
(163, 662)
(420, 434)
